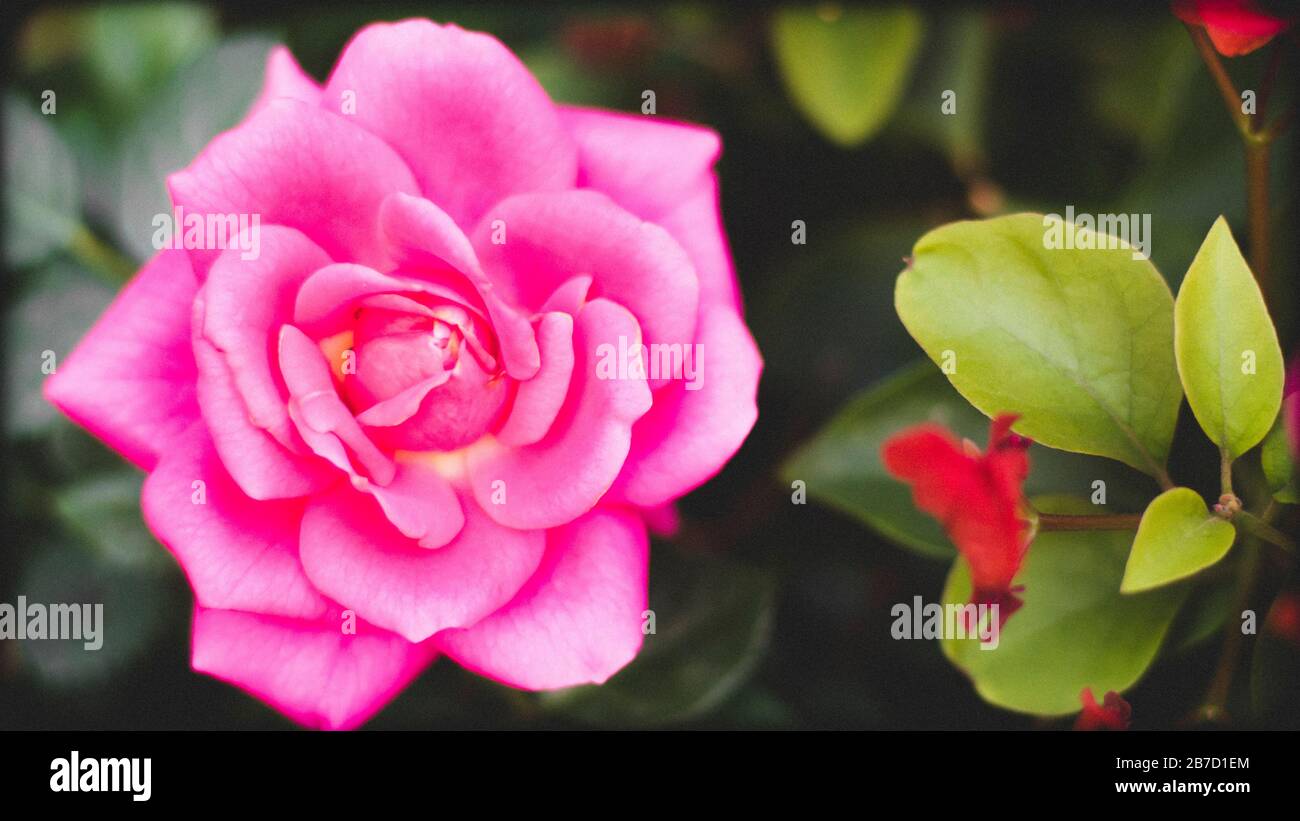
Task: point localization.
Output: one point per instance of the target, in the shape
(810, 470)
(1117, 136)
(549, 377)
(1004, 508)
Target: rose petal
(663, 172)
(285, 78)
(130, 381)
(539, 400)
(327, 299)
(553, 236)
(238, 553)
(696, 224)
(259, 464)
(579, 618)
(645, 164)
(296, 165)
(469, 119)
(309, 670)
(319, 413)
(420, 503)
(247, 302)
(690, 434)
(351, 552)
(420, 230)
(565, 474)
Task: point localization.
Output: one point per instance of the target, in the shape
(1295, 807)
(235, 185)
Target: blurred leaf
(1275, 666)
(713, 621)
(842, 465)
(1078, 342)
(1202, 617)
(42, 203)
(105, 511)
(566, 81)
(842, 468)
(1075, 629)
(1279, 469)
(133, 48)
(207, 97)
(1177, 538)
(52, 317)
(846, 68)
(958, 57)
(1226, 346)
(133, 608)
(1123, 78)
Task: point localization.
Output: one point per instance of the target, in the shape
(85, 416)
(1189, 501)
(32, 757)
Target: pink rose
(432, 408)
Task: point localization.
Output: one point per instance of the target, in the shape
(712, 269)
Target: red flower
(976, 497)
(1284, 617)
(1112, 714)
(1235, 27)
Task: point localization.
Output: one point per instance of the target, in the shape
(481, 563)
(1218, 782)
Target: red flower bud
(1236, 27)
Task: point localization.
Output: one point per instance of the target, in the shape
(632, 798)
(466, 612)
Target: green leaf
(207, 97)
(1226, 346)
(1279, 468)
(42, 200)
(1177, 538)
(841, 465)
(1075, 629)
(712, 623)
(846, 70)
(1079, 342)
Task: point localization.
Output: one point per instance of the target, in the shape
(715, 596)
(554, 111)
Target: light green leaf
(847, 69)
(1279, 468)
(712, 623)
(1077, 341)
(205, 98)
(42, 203)
(1075, 629)
(1177, 538)
(841, 465)
(1226, 346)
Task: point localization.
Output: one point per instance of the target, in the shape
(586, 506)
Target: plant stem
(1225, 471)
(1260, 528)
(1216, 698)
(1108, 521)
(1231, 97)
(1257, 139)
(1257, 162)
